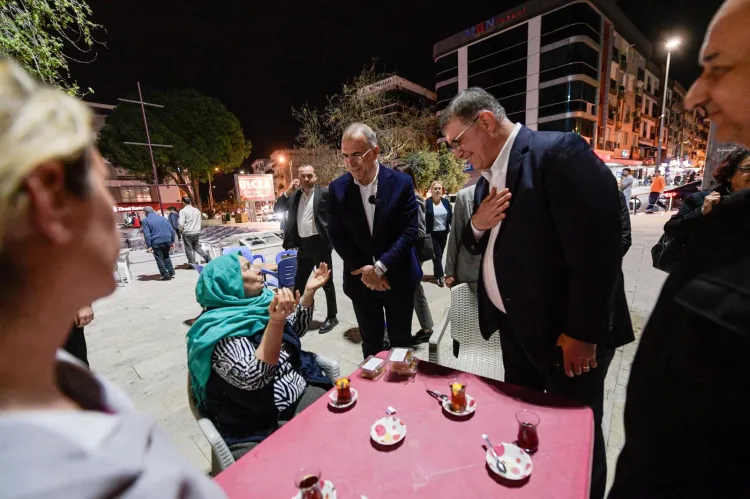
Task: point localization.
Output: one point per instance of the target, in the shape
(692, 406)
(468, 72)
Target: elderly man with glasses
(373, 226)
(546, 221)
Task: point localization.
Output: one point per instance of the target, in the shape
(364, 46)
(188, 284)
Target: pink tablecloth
(439, 457)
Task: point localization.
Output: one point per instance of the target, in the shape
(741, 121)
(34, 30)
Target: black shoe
(171, 276)
(165, 278)
(441, 281)
(422, 336)
(330, 323)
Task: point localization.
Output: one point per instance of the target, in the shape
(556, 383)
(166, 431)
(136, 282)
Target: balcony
(609, 145)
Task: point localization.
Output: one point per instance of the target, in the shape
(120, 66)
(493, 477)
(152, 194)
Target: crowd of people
(540, 237)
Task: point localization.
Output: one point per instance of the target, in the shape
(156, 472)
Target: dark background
(262, 58)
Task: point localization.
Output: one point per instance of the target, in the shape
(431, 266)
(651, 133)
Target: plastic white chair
(476, 355)
(122, 267)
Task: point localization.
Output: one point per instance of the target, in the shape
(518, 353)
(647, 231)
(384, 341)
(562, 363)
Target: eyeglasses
(356, 157)
(457, 142)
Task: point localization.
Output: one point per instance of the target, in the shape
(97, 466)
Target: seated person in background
(248, 371)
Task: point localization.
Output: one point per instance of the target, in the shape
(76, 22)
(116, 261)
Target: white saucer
(333, 398)
(328, 490)
(517, 461)
(471, 406)
(388, 431)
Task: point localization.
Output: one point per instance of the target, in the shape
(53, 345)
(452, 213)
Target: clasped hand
(371, 279)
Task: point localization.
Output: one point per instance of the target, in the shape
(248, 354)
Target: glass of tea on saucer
(308, 483)
(528, 439)
(458, 395)
(344, 391)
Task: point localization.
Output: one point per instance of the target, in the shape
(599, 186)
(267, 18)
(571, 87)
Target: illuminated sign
(255, 187)
(493, 22)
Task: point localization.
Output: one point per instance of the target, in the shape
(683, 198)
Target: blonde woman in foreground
(64, 433)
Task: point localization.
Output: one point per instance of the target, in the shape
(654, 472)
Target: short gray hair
(469, 103)
(361, 129)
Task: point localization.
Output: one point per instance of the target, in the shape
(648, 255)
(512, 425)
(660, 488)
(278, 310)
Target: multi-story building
(402, 93)
(578, 66)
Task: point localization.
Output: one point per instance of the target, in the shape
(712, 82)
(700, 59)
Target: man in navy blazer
(373, 227)
(547, 223)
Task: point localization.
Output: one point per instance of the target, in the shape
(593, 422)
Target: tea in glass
(344, 392)
(528, 439)
(308, 483)
(458, 396)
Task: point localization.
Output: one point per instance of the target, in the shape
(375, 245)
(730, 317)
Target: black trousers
(161, 254)
(653, 199)
(439, 240)
(398, 308)
(587, 389)
(76, 345)
(311, 252)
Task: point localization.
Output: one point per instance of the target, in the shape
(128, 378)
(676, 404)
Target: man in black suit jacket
(374, 226)
(307, 210)
(550, 273)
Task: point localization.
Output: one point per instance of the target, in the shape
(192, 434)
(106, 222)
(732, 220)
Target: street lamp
(671, 44)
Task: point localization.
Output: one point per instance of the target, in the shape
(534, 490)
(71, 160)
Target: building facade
(579, 66)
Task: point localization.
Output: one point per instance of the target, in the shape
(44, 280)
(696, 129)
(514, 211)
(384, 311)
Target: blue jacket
(395, 231)
(174, 220)
(157, 230)
(558, 254)
(430, 214)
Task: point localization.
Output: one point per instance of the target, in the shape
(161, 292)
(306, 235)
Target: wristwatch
(379, 270)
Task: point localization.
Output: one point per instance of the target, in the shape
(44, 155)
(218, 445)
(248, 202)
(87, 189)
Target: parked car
(679, 193)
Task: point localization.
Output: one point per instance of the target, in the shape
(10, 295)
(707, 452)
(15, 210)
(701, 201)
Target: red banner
(255, 187)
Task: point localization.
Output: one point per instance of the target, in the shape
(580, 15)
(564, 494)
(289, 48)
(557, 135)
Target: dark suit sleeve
(409, 227)
(627, 238)
(324, 212)
(281, 205)
(340, 237)
(585, 206)
(684, 222)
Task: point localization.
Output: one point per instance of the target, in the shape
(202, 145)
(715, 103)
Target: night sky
(260, 58)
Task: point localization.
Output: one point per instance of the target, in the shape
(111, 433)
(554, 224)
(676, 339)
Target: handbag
(666, 253)
(425, 249)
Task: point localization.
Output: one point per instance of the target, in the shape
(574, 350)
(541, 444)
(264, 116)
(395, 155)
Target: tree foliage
(42, 35)
(441, 165)
(205, 137)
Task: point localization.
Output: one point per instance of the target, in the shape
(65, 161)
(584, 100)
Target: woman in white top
(64, 433)
(438, 217)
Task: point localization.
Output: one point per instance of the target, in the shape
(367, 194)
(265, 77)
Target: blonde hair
(38, 123)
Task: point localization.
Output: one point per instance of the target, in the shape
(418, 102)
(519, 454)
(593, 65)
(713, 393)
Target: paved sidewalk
(137, 339)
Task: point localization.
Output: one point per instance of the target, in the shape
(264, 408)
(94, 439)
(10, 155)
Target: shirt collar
(501, 162)
(374, 180)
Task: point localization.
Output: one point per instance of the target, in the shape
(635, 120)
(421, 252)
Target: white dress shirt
(306, 215)
(366, 191)
(496, 177)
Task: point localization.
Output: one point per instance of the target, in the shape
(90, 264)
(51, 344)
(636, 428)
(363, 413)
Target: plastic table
(439, 457)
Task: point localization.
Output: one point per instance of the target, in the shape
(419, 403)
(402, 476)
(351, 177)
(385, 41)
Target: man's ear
(48, 209)
(488, 122)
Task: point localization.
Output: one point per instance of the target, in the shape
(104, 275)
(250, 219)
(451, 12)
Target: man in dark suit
(307, 208)
(373, 226)
(550, 273)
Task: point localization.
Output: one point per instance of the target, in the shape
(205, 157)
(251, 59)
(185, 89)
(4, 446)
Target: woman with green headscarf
(248, 371)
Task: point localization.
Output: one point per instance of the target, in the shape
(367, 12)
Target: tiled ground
(138, 338)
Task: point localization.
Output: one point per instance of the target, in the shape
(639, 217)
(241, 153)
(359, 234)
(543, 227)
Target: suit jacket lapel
(382, 198)
(316, 200)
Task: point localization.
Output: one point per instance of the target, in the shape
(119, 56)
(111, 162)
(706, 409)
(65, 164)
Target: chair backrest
(464, 313)
(244, 250)
(285, 254)
(286, 272)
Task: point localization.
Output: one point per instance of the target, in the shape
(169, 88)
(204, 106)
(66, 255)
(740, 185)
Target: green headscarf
(229, 314)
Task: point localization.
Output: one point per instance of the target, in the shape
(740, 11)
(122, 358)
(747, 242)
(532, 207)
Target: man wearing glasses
(373, 227)
(546, 221)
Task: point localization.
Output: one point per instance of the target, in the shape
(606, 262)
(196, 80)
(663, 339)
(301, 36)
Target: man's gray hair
(148, 209)
(362, 129)
(469, 103)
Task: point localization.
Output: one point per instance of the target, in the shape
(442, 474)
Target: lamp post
(670, 45)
